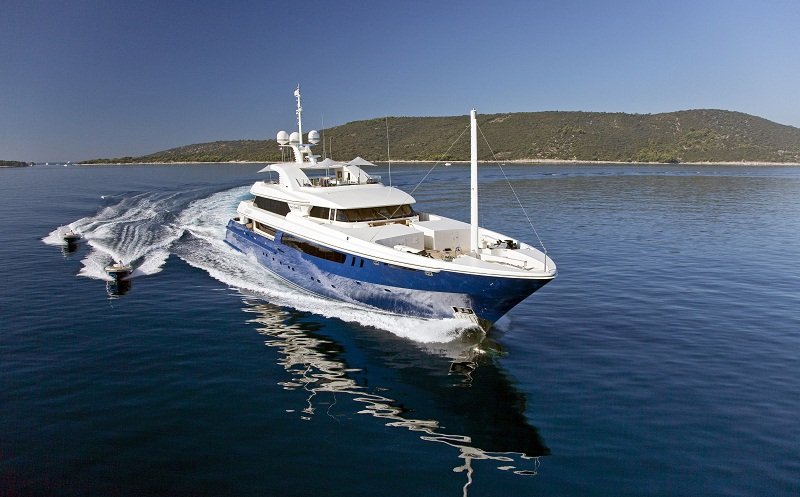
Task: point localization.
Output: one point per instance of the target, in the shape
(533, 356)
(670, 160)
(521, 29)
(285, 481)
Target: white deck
(388, 235)
(294, 186)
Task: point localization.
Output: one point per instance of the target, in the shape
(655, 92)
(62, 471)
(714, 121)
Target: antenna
(299, 113)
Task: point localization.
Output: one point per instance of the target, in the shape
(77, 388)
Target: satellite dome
(294, 137)
(283, 137)
(313, 137)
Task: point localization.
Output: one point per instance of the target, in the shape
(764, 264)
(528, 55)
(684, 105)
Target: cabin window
(271, 205)
(313, 250)
(320, 212)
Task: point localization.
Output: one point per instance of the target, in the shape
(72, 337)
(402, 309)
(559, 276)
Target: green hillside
(684, 136)
(13, 163)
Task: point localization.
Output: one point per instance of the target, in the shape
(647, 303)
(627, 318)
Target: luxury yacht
(334, 230)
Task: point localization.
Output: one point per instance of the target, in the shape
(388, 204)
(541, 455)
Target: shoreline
(532, 162)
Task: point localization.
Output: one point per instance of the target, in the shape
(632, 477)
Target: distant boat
(70, 239)
(447, 164)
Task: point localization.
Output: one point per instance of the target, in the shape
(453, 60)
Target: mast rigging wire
(530, 223)
(440, 160)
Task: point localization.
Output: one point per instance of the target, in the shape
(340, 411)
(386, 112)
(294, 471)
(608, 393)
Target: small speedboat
(70, 236)
(119, 270)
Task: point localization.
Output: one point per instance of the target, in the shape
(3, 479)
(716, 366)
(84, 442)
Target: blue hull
(390, 288)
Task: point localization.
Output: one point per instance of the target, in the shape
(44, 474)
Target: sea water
(663, 360)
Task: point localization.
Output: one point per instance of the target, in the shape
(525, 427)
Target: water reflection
(453, 394)
(69, 247)
(118, 287)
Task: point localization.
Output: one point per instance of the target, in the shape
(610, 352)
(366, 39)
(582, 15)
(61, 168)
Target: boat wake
(144, 229)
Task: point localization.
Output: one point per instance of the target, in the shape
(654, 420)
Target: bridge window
(320, 212)
(375, 213)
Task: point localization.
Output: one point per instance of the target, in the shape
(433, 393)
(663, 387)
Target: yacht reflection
(460, 397)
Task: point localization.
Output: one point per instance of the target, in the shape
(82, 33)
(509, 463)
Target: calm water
(664, 359)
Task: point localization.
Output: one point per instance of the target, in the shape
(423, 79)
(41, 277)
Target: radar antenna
(299, 112)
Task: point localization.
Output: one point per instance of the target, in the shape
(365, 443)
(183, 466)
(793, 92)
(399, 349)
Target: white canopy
(360, 161)
(326, 164)
(269, 167)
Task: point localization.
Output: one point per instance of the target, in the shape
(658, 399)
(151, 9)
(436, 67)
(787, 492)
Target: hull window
(313, 250)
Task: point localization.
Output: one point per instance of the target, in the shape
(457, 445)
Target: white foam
(56, 237)
(145, 229)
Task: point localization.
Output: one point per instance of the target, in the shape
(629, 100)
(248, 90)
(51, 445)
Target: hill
(13, 163)
(685, 136)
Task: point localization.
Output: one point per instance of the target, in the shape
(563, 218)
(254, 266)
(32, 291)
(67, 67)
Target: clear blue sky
(106, 78)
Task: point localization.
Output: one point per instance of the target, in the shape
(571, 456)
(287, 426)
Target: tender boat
(70, 237)
(339, 233)
(119, 270)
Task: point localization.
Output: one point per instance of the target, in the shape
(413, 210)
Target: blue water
(663, 360)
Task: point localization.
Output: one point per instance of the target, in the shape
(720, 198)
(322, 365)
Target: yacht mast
(302, 151)
(473, 190)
